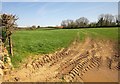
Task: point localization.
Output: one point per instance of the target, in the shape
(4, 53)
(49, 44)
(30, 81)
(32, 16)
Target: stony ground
(89, 61)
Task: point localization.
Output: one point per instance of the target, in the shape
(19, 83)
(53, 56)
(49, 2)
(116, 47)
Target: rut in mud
(91, 60)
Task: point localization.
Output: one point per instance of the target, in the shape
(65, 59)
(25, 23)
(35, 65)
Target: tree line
(104, 20)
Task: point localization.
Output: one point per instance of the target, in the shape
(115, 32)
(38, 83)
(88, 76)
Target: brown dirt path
(88, 61)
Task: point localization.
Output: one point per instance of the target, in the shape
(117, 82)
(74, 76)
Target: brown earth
(88, 61)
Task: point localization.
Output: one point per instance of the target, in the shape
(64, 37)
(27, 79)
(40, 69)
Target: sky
(52, 13)
(60, 0)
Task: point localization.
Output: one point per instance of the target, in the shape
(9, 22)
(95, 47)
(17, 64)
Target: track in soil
(89, 61)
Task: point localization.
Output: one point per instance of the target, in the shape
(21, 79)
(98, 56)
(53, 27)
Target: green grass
(106, 33)
(32, 42)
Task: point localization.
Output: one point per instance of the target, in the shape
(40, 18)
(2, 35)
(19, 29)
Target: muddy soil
(88, 61)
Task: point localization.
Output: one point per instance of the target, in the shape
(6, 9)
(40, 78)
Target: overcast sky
(52, 13)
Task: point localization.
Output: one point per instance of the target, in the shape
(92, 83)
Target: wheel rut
(72, 64)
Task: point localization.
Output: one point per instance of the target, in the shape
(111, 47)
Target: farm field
(61, 42)
(65, 55)
(42, 41)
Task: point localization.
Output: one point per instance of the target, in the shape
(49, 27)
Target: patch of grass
(106, 33)
(41, 41)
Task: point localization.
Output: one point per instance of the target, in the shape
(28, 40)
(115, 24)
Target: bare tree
(109, 19)
(73, 24)
(68, 23)
(106, 20)
(8, 23)
(33, 27)
(82, 22)
(64, 23)
(101, 21)
(117, 21)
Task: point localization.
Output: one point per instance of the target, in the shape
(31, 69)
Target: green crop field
(42, 41)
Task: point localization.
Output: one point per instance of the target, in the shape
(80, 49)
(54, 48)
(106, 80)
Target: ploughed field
(65, 55)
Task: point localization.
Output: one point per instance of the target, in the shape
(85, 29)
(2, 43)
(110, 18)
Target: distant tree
(82, 22)
(106, 20)
(109, 19)
(71, 24)
(33, 27)
(68, 23)
(117, 20)
(64, 23)
(92, 24)
(38, 26)
(101, 21)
